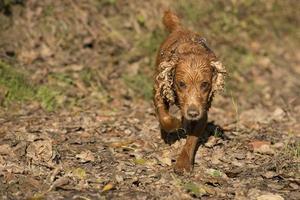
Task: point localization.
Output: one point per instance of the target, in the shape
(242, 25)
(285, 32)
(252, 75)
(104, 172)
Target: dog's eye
(204, 85)
(181, 84)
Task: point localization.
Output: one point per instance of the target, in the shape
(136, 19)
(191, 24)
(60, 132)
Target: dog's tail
(171, 21)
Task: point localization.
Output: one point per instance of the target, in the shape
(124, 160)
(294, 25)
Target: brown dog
(187, 75)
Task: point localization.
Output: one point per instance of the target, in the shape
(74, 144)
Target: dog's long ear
(165, 80)
(218, 81)
(219, 76)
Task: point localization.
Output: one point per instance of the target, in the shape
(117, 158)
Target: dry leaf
(79, 173)
(40, 150)
(107, 187)
(120, 144)
(59, 182)
(5, 149)
(86, 156)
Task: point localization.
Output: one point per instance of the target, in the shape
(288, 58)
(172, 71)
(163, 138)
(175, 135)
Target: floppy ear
(218, 81)
(219, 76)
(165, 80)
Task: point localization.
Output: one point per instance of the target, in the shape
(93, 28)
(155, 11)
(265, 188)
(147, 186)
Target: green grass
(16, 86)
(141, 84)
(17, 89)
(150, 44)
(47, 97)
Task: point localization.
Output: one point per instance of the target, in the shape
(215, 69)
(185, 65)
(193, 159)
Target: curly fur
(218, 79)
(165, 78)
(166, 81)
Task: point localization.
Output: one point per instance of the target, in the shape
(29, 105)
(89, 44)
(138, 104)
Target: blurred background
(73, 54)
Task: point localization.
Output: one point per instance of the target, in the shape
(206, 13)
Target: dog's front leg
(186, 158)
(167, 122)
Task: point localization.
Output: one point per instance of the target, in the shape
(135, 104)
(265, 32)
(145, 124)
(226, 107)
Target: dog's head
(198, 75)
(190, 76)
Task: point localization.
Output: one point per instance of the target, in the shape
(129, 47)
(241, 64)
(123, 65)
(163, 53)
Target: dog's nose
(193, 112)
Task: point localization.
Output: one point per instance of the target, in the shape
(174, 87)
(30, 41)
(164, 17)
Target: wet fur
(188, 75)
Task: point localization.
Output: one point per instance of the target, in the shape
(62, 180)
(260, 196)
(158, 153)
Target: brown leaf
(270, 197)
(263, 147)
(120, 144)
(86, 156)
(60, 182)
(5, 149)
(257, 144)
(40, 150)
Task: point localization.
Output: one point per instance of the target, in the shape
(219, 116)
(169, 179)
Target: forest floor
(77, 121)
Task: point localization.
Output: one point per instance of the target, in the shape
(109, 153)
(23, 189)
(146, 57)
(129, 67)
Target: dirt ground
(85, 127)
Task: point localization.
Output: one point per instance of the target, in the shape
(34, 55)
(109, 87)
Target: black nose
(193, 112)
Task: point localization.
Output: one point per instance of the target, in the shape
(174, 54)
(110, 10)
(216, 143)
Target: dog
(188, 75)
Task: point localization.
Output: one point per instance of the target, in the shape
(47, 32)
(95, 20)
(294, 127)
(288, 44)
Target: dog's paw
(183, 164)
(171, 138)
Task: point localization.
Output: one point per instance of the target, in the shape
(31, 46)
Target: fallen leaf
(59, 183)
(119, 178)
(265, 149)
(216, 173)
(79, 173)
(194, 189)
(8, 177)
(40, 150)
(107, 187)
(262, 147)
(212, 141)
(270, 174)
(139, 161)
(278, 114)
(5, 149)
(258, 143)
(270, 197)
(54, 173)
(120, 144)
(165, 158)
(37, 196)
(86, 156)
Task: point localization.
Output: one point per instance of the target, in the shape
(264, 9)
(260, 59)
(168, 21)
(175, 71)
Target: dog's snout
(193, 112)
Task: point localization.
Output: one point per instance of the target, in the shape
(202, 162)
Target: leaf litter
(107, 145)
